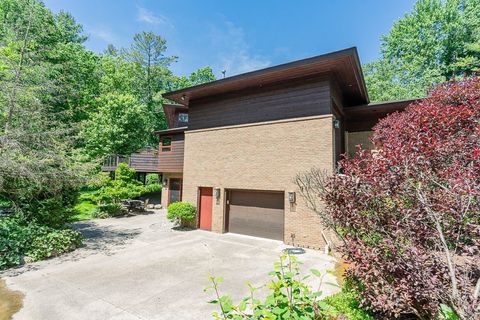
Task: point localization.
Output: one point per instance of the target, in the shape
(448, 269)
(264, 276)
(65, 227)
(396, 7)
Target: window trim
(163, 149)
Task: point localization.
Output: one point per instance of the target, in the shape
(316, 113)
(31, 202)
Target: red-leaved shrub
(409, 212)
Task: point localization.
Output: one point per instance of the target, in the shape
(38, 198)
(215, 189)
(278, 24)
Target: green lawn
(85, 211)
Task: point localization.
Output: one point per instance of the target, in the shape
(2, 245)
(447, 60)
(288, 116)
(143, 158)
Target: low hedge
(20, 239)
(182, 212)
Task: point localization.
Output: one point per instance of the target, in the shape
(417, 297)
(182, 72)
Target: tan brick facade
(352, 139)
(261, 156)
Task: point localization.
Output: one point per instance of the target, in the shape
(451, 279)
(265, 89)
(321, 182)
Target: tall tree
(37, 171)
(425, 47)
(202, 75)
(148, 51)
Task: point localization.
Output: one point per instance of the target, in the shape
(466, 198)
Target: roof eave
(171, 130)
(181, 96)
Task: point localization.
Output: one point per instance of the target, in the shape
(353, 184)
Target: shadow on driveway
(98, 238)
(104, 238)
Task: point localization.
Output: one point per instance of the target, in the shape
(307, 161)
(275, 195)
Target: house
(234, 145)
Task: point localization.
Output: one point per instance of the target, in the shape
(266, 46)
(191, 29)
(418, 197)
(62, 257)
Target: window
(166, 144)
(183, 117)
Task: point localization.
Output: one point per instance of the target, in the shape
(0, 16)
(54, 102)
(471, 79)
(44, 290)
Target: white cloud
(234, 54)
(103, 34)
(147, 16)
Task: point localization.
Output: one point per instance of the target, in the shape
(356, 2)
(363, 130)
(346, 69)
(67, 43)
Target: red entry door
(205, 208)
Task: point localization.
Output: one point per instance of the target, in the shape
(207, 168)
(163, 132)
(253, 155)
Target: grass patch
(346, 304)
(85, 211)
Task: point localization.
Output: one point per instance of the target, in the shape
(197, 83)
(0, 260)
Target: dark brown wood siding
(172, 113)
(294, 99)
(172, 161)
(144, 162)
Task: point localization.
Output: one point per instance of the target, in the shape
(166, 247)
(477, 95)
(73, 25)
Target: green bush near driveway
(181, 212)
(51, 243)
(20, 238)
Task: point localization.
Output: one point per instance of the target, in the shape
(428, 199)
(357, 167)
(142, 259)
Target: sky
(239, 35)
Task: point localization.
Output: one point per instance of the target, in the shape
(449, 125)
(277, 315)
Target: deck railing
(142, 162)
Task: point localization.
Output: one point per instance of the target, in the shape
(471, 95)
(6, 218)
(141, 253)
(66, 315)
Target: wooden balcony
(141, 162)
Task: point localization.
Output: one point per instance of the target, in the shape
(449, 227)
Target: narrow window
(183, 117)
(166, 144)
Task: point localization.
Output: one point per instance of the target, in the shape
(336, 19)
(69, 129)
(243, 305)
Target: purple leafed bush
(409, 212)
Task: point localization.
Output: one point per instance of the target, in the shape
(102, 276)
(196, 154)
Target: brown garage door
(256, 213)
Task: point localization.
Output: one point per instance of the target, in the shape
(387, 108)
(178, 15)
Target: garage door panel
(259, 199)
(256, 213)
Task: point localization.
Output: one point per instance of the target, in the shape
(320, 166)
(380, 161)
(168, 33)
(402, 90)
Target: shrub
(14, 238)
(49, 243)
(109, 210)
(19, 238)
(346, 304)
(97, 181)
(408, 212)
(181, 212)
(123, 187)
(153, 187)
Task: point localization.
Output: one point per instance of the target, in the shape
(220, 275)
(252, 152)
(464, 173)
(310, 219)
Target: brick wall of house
(261, 156)
(353, 139)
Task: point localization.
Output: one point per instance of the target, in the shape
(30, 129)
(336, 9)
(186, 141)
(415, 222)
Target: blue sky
(236, 35)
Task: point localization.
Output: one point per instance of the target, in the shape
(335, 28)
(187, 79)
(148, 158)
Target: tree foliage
(120, 126)
(125, 186)
(62, 107)
(38, 172)
(408, 212)
(436, 41)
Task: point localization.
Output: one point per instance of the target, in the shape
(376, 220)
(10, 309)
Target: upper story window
(183, 117)
(166, 144)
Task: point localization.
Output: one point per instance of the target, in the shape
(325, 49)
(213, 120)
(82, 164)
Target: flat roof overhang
(343, 65)
(364, 117)
(171, 131)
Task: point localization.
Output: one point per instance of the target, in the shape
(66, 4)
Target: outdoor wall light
(336, 124)
(165, 182)
(216, 193)
(291, 197)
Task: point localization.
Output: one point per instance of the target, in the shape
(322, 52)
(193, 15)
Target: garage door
(256, 213)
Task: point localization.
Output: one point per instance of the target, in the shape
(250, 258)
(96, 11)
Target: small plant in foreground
(289, 296)
(181, 212)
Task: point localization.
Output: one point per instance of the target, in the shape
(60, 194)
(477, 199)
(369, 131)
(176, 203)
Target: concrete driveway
(140, 268)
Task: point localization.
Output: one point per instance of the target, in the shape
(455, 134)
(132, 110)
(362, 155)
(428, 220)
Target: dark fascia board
(379, 107)
(183, 95)
(171, 131)
(361, 78)
(175, 105)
